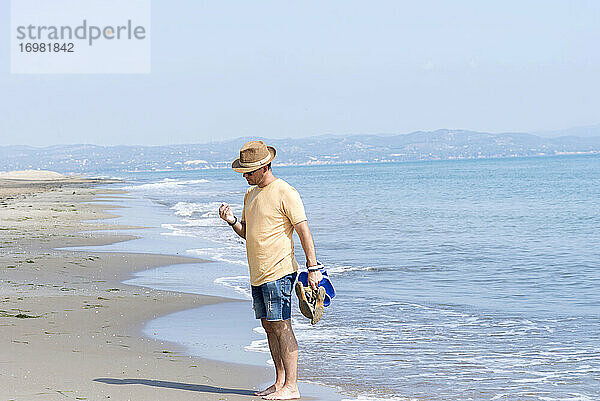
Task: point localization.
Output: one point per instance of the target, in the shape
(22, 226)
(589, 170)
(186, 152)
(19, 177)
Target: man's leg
(260, 312)
(276, 355)
(288, 352)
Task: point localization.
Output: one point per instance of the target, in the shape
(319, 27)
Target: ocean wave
(307, 332)
(339, 269)
(572, 397)
(208, 219)
(261, 346)
(166, 183)
(240, 284)
(375, 398)
(212, 229)
(177, 232)
(106, 177)
(208, 209)
(225, 254)
(202, 220)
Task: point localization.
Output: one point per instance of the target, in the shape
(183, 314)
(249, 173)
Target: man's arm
(226, 214)
(306, 239)
(240, 229)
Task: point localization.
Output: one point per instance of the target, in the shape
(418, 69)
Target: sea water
(469, 279)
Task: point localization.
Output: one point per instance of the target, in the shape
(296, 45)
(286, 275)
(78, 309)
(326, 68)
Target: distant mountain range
(443, 144)
(587, 131)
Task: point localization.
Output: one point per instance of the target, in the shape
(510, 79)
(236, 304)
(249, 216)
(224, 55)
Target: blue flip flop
(325, 283)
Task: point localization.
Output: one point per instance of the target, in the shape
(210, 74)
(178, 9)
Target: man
(272, 211)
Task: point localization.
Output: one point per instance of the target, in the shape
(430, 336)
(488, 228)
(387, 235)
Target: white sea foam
(201, 220)
(339, 269)
(307, 332)
(107, 177)
(225, 254)
(373, 398)
(531, 380)
(421, 306)
(207, 219)
(176, 230)
(186, 209)
(391, 303)
(571, 397)
(240, 284)
(259, 330)
(166, 183)
(261, 346)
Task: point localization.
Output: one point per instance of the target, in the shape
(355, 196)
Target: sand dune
(33, 175)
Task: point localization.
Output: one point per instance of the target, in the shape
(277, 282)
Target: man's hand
(226, 214)
(314, 278)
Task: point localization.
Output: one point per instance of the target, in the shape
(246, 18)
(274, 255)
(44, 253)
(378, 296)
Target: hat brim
(237, 167)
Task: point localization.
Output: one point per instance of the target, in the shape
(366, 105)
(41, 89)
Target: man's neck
(268, 178)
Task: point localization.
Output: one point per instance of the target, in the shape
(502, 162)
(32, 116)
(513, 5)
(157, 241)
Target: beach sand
(69, 328)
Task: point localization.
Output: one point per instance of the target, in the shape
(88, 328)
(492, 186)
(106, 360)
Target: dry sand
(69, 329)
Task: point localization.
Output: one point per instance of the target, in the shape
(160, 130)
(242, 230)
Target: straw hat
(254, 155)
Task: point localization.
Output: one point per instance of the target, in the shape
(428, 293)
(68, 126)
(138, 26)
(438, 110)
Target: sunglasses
(252, 172)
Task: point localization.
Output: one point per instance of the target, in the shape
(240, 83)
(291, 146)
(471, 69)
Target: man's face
(254, 177)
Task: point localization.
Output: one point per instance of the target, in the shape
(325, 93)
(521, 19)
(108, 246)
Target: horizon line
(536, 133)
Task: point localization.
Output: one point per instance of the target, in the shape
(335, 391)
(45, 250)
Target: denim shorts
(273, 300)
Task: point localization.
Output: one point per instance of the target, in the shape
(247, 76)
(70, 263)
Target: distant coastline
(226, 165)
(320, 150)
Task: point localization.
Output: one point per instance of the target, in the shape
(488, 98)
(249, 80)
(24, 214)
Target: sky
(280, 69)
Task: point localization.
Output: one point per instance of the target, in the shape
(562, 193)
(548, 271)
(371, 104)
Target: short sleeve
(292, 206)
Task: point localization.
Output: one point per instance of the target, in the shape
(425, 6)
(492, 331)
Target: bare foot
(269, 390)
(284, 393)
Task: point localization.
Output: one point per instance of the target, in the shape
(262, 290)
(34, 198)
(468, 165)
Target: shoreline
(216, 341)
(52, 346)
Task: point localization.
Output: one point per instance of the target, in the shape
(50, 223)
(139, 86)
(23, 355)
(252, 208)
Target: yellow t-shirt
(270, 214)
